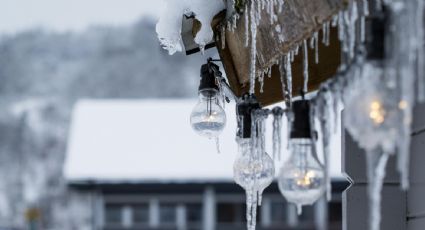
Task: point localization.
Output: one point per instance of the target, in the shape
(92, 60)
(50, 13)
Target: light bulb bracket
(220, 81)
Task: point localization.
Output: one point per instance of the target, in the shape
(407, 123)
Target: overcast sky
(72, 15)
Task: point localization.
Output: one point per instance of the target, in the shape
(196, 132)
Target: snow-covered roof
(142, 141)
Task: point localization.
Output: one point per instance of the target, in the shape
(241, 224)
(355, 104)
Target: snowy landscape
(213, 114)
(43, 74)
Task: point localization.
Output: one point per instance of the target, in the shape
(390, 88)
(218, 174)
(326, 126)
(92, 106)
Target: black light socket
(300, 127)
(208, 79)
(244, 112)
(376, 28)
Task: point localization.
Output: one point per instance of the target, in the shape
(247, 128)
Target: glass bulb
(208, 118)
(253, 170)
(250, 172)
(302, 177)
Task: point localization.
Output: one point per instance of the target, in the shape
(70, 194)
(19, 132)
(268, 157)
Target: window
(231, 216)
(141, 214)
(278, 212)
(194, 216)
(230, 212)
(167, 214)
(194, 213)
(307, 214)
(113, 214)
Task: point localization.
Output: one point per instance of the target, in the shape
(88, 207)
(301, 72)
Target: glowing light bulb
(208, 118)
(403, 104)
(253, 173)
(302, 177)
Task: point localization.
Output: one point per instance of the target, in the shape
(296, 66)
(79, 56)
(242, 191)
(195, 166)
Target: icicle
(352, 28)
(281, 3)
(292, 55)
(322, 111)
(288, 71)
(237, 16)
(325, 33)
(305, 64)
(362, 29)
(312, 42)
(297, 49)
(341, 26)
(261, 81)
(365, 13)
(365, 7)
(277, 129)
(254, 211)
(246, 25)
(316, 47)
(282, 71)
(271, 12)
(328, 33)
(254, 18)
(217, 145)
(249, 209)
(223, 37)
(222, 95)
(336, 98)
(376, 163)
(334, 21)
(202, 49)
(299, 209)
(404, 157)
(326, 132)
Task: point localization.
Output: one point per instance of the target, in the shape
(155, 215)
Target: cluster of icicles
(378, 96)
(254, 169)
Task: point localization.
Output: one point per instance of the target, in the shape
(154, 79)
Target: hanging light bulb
(253, 169)
(208, 118)
(302, 177)
(374, 112)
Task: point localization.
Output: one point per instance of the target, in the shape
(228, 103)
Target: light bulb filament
(377, 112)
(306, 180)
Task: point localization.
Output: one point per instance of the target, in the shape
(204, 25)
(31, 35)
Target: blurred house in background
(129, 164)
(43, 73)
(139, 165)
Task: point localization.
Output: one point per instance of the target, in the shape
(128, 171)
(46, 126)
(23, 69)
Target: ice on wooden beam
(169, 25)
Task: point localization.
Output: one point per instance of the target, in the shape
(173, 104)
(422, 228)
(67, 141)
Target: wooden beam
(299, 19)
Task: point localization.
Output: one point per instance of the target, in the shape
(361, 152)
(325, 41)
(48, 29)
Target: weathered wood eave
(299, 19)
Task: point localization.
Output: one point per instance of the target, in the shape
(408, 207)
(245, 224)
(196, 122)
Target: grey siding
(416, 194)
(355, 199)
